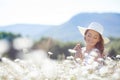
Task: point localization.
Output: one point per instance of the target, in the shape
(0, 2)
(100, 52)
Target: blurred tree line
(9, 37)
(61, 48)
(113, 47)
(58, 48)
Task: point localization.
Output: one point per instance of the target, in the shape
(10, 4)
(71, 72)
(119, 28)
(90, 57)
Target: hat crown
(96, 27)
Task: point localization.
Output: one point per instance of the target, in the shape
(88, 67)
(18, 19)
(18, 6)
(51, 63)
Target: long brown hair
(99, 45)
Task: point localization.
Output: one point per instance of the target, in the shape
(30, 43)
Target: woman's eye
(95, 37)
(89, 35)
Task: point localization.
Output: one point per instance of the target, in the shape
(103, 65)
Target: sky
(51, 12)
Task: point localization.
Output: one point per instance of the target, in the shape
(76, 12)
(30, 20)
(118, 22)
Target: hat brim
(83, 30)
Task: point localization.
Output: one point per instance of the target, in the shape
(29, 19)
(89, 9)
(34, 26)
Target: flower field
(37, 65)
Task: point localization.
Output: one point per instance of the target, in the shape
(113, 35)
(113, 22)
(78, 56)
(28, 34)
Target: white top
(90, 57)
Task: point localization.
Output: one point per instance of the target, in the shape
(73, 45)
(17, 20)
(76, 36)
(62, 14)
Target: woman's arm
(78, 51)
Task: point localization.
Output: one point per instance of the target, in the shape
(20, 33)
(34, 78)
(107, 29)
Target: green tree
(114, 47)
(10, 37)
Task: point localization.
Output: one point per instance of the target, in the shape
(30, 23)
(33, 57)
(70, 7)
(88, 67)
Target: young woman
(94, 49)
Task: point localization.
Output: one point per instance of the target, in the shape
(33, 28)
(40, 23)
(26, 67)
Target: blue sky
(50, 12)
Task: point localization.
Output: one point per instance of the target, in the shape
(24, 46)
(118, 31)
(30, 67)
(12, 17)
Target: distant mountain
(68, 31)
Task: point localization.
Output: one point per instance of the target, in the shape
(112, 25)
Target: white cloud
(51, 12)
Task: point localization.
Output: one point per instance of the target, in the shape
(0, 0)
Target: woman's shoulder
(96, 50)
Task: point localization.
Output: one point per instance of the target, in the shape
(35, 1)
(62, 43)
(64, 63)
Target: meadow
(34, 63)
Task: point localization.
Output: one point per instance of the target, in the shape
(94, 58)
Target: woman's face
(92, 37)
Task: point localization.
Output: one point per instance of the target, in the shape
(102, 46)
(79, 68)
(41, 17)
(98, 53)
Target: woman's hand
(78, 51)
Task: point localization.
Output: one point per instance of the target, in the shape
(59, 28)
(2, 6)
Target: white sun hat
(96, 27)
